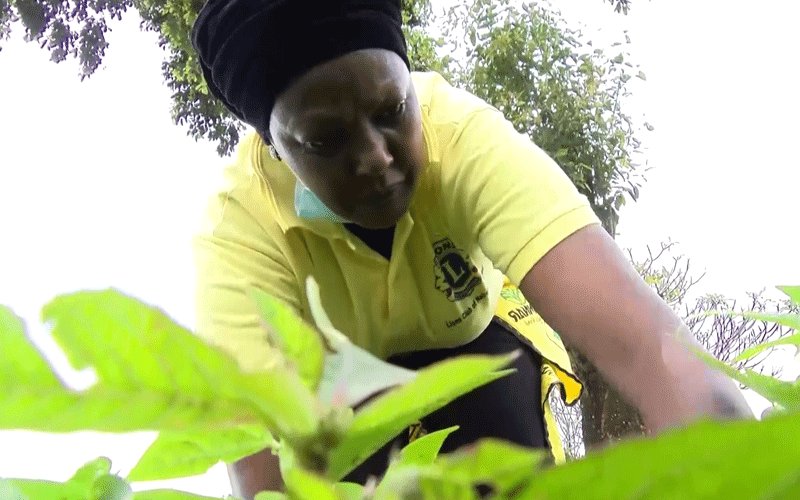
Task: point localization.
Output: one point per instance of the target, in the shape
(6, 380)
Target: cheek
(416, 145)
(324, 182)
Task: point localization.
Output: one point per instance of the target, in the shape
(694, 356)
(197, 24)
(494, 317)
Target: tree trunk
(607, 417)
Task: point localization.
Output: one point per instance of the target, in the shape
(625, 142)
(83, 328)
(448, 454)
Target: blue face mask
(308, 206)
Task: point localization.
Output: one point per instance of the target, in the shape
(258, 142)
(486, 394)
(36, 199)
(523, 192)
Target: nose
(374, 158)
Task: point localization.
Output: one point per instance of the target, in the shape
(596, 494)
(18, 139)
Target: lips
(383, 194)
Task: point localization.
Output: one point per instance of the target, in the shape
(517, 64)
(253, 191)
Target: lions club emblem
(456, 276)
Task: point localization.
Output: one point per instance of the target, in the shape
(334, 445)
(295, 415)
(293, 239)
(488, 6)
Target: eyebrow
(386, 90)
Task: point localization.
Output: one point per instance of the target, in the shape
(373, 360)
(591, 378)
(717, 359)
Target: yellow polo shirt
(488, 206)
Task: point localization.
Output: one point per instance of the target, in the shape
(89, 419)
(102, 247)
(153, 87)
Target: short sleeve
(508, 194)
(231, 256)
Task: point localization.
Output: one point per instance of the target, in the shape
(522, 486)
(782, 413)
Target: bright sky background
(99, 189)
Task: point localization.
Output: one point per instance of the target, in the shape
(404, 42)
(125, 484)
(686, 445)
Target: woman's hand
(586, 290)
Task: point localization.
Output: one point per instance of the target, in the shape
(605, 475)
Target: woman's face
(350, 130)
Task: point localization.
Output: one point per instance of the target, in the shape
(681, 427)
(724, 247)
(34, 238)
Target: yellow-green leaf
(707, 461)
(152, 375)
(303, 485)
(786, 394)
(792, 291)
(752, 351)
(174, 455)
(435, 386)
(298, 340)
(168, 494)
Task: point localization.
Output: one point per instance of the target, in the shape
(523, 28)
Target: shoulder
(443, 103)
(240, 201)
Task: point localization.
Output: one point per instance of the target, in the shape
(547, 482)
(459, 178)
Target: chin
(378, 222)
(383, 219)
(387, 215)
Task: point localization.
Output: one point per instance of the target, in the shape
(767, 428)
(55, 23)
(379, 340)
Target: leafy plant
(154, 375)
(232, 417)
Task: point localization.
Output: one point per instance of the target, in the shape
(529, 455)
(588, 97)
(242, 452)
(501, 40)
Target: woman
(430, 225)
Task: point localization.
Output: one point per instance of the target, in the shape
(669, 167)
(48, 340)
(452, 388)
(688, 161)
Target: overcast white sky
(98, 188)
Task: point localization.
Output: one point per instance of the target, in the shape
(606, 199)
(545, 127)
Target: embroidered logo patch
(513, 295)
(456, 276)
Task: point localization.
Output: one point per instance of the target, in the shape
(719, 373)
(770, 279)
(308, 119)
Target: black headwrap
(251, 50)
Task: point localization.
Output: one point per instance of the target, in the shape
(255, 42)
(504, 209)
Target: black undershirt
(379, 240)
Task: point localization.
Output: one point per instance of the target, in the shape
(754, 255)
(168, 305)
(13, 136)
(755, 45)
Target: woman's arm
(587, 290)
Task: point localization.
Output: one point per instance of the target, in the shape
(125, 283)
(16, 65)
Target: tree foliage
(77, 28)
(554, 86)
(620, 5)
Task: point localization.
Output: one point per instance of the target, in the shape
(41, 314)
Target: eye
(326, 144)
(399, 108)
(320, 148)
(395, 111)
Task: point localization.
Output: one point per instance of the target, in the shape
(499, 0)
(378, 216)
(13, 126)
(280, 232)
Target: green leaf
(35, 489)
(504, 465)
(153, 375)
(749, 353)
(349, 491)
(168, 494)
(9, 491)
(20, 363)
(174, 455)
(334, 337)
(91, 471)
(783, 393)
(81, 486)
(792, 291)
(788, 320)
(618, 59)
(271, 495)
(424, 482)
(709, 460)
(111, 487)
(424, 450)
(435, 386)
(303, 485)
(416, 455)
(351, 374)
(642, 75)
(294, 337)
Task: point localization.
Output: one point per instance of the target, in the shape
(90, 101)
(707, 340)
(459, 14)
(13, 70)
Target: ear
(264, 135)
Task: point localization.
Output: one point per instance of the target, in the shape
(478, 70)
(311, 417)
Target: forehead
(365, 78)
